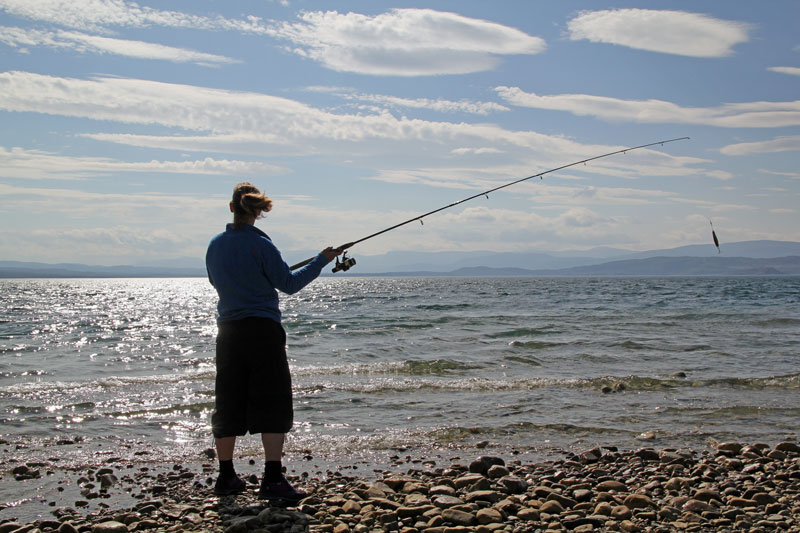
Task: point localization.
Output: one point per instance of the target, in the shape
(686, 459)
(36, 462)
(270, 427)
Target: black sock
(226, 469)
(273, 471)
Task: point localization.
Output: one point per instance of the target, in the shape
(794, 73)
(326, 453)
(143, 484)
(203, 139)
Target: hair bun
(248, 201)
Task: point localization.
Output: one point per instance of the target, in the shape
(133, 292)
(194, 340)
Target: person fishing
(253, 387)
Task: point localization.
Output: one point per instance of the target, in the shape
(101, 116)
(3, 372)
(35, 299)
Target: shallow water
(125, 367)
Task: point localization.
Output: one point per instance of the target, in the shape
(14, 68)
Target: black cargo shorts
(253, 386)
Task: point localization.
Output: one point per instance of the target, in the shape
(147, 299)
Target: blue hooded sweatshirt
(246, 269)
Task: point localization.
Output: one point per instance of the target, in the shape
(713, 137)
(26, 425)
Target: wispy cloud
(401, 42)
(404, 42)
(254, 123)
(778, 144)
(81, 42)
(89, 227)
(792, 175)
(35, 164)
(737, 115)
(99, 15)
(434, 104)
(669, 32)
(792, 71)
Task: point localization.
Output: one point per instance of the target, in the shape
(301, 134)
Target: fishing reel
(345, 264)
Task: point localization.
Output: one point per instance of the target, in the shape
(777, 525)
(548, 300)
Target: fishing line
(348, 262)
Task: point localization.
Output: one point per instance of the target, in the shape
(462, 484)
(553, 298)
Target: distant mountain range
(737, 259)
(18, 269)
(538, 261)
(653, 266)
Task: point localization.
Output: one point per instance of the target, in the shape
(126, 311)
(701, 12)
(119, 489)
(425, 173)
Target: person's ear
(231, 206)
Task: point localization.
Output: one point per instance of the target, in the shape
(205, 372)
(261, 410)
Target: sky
(125, 125)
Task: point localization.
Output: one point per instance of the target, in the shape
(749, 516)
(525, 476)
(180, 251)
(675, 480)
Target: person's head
(248, 203)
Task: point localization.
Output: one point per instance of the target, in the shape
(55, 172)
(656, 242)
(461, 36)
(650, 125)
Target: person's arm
(208, 271)
(286, 280)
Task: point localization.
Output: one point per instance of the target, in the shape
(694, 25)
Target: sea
(394, 370)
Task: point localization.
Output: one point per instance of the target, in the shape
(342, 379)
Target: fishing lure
(347, 263)
(714, 235)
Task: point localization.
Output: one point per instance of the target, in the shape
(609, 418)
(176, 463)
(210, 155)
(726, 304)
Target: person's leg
(272, 412)
(273, 451)
(274, 486)
(273, 445)
(228, 419)
(225, 447)
(227, 482)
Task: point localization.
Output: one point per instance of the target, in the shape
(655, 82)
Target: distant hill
(687, 266)
(451, 261)
(737, 259)
(18, 269)
(652, 266)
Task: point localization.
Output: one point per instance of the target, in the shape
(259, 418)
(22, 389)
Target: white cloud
(82, 42)
(156, 225)
(433, 104)
(792, 71)
(253, 123)
(543, 192)
(783, 211)
(793, 175)
(98, 15)
(35, 164)
(738, 115)
(404, 42)
(778, 144)
(476, 151)
(669, 32)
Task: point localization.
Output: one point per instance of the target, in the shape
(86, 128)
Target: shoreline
(729, 487)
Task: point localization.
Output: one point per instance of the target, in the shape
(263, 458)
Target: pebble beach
(729, 486)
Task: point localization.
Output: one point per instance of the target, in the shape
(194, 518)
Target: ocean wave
(779, 322)
(522, 332)
(24, 373)
(408, 367)
(534, 345)
(105, 383)
(196, 409)
(733, 411)
(523, 359)
(620, 384)
(460, 433)
(639, 383)
(443, 307)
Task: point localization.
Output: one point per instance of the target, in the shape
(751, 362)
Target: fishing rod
(348, 262)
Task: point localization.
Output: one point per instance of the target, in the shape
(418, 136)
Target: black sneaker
(280, 491)
(229, 486)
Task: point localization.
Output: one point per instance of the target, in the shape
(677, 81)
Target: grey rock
(445, 501)
(459, 518)
(638, 501)
(497, 471)
(112, 526)
(482, 464)
(787, 447)
(610, 485)
(513, 484)
(484, 495)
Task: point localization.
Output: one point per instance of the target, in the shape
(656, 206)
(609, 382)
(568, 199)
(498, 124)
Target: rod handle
(301, 264)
